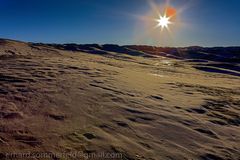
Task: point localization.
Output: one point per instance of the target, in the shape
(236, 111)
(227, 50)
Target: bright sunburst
(163, 21)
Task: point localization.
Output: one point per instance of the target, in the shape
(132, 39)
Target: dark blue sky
(207, 22)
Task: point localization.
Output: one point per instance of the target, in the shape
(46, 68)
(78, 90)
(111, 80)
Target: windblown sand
(57, 101)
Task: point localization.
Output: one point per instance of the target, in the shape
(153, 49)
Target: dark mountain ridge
(193, 53)
(219, 54)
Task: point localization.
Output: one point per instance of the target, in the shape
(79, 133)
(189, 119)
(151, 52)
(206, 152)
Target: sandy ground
(57, 102)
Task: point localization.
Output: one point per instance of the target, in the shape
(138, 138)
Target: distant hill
(193, 53)
(219, 54)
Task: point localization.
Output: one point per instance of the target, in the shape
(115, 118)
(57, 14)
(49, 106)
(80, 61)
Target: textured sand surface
(60, 101)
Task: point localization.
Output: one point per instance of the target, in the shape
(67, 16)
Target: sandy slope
(143, 108)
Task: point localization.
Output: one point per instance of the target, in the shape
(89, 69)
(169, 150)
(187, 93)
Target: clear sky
(206, 22)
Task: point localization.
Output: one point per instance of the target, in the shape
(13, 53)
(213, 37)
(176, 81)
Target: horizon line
(55, 43)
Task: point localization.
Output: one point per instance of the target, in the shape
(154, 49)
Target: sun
(163, 21)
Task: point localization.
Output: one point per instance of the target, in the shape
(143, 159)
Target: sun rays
(163, 22)
(160, 25)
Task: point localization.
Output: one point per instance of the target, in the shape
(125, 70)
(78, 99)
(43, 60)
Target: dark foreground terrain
(132, 102)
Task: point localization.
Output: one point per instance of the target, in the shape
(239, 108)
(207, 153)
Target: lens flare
(171, 12)
(161, 24)
(167, 18)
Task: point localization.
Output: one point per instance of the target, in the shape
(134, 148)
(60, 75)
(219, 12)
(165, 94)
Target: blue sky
(208, 22)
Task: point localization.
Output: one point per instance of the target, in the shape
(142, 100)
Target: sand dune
(56, 100)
